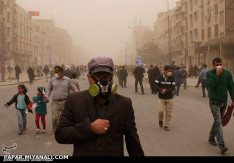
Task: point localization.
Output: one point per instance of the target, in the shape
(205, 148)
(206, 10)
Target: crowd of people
(100, 115)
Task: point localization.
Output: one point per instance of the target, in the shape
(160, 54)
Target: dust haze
(99, 27)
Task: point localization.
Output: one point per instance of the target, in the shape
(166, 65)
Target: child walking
(41, 109)
(21, 101)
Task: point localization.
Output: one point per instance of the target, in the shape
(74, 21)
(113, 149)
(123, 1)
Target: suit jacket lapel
(90, 106)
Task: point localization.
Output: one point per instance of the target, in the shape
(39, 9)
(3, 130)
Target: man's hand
(100, 126)
(163, 91)
(219, 71)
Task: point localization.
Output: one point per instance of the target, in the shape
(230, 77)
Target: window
(8, 32)
(222, 17)
(195, 16)
(8, 17)
(203, 34)
(202, 18)
(191, 20)
(191, 36)
(216, 9)
(191, 4)
(8, 3)
(216, 30)
(186, 5)
(1, 7)
(196, 34)
(209, 32)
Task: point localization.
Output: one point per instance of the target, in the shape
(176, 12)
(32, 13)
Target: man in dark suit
(95, 121)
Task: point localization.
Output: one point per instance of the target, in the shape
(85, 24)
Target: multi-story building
(22, 42)
(161, 36)
(64, 46)
(31, 42)
(199, 30)
(7, 9)
(46, 30)
(18, 34)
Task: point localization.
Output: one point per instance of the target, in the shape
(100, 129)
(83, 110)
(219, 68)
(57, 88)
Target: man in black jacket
(139, 75)
(17, 72)
(165, 85)
(95, 121)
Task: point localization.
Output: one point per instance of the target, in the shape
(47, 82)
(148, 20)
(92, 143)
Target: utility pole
(3, 44)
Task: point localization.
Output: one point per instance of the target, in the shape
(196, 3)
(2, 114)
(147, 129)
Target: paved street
(190, 126)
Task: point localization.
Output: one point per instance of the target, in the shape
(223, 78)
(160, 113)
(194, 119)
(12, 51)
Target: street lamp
(169, 34)
(137, 49)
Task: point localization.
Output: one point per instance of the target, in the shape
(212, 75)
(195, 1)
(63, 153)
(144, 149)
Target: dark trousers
(198, 82)
(30, 80)
(123, 83)
(136, 85)
(184, 81)
(17, 76)
(178, 85)
(204, 87)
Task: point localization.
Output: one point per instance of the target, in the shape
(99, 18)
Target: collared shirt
(101, 114)
(61, 88)
(101, 109)
(203, 73)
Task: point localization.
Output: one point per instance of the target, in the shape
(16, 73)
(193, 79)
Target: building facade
(31, 42)
(197, 31)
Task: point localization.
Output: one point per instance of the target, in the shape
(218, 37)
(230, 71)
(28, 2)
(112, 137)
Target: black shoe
(223, 149)
(20, 132)
(213, 142)
(166, 128)
(161, 124)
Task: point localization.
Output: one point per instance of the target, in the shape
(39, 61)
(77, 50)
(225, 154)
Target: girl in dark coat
(21, 101)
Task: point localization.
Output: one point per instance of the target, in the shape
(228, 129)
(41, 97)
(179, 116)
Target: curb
(21, 82)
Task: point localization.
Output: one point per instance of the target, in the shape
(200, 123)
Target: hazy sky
(99, 26)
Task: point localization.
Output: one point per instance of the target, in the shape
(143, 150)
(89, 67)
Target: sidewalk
(23, 78)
